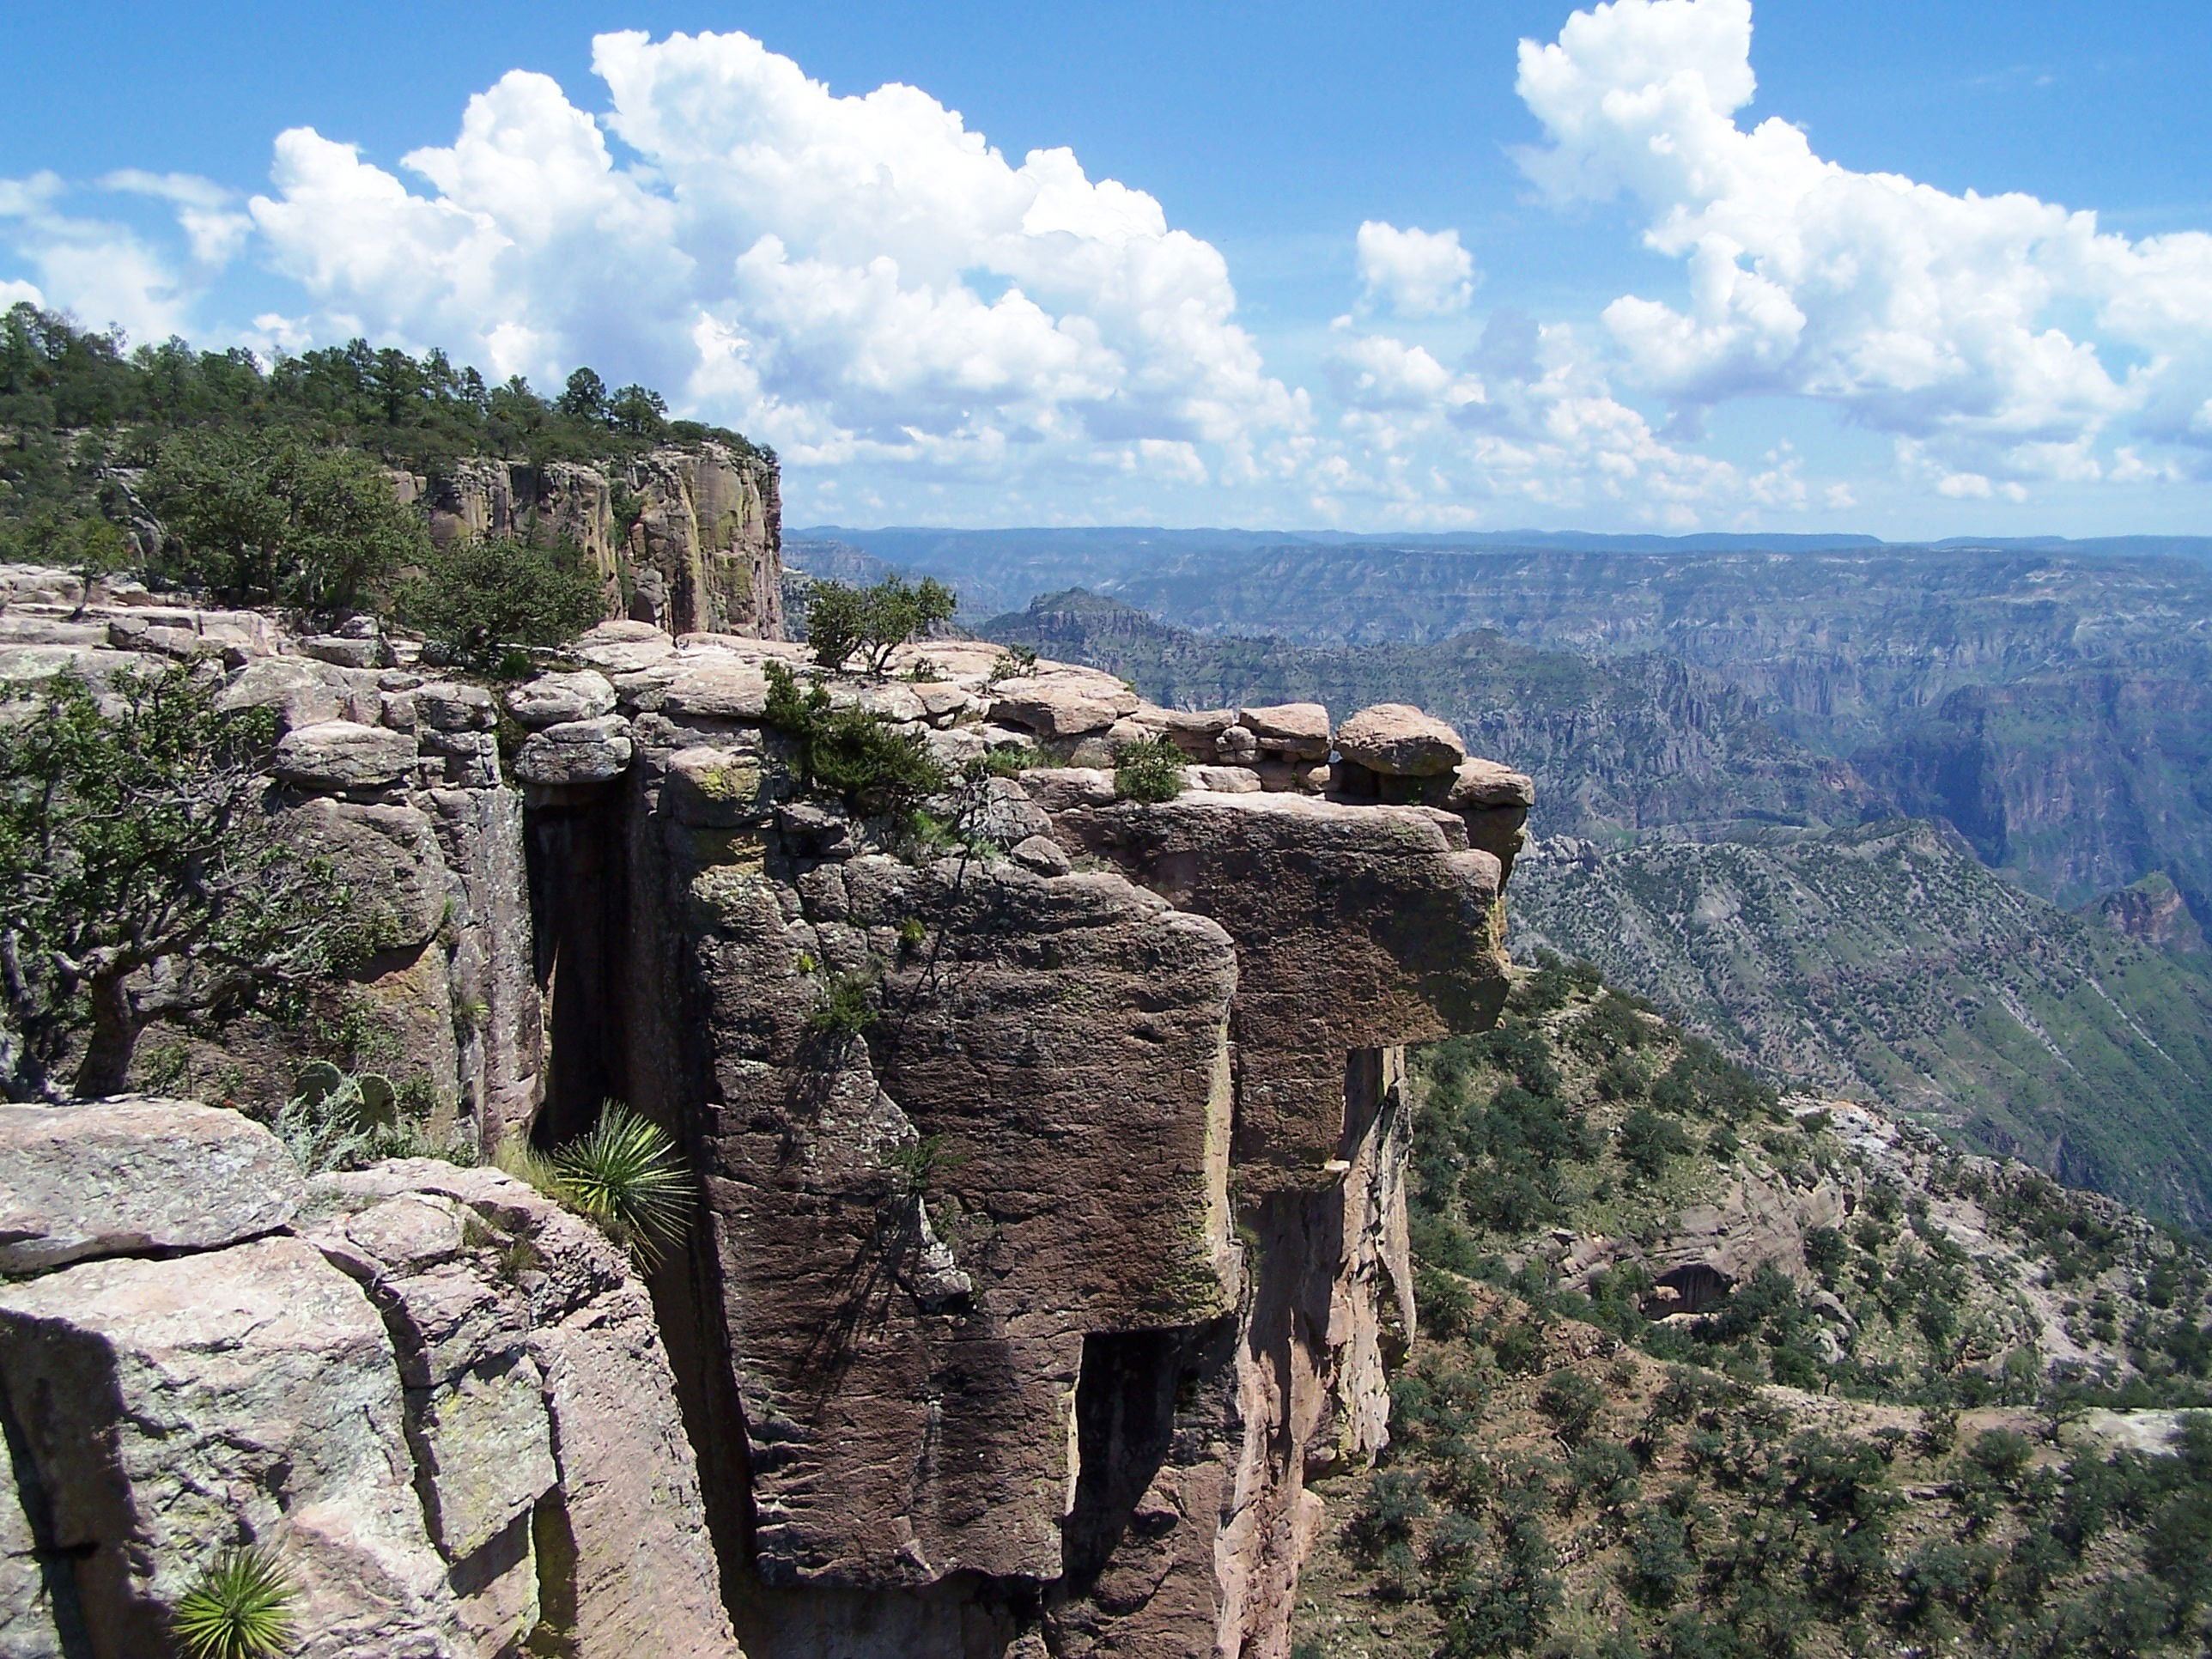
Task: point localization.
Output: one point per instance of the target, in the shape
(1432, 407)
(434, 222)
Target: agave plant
(624, 1174)
(240, 1607)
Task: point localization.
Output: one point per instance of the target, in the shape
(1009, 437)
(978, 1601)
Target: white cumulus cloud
(1933, 317)
(851, 278)
(1415, 273)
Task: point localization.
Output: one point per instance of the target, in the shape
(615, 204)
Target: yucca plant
(240, 1607)
(624, 1174)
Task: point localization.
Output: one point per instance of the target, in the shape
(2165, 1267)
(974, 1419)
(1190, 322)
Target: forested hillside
(1703, 1369)
(347, 479)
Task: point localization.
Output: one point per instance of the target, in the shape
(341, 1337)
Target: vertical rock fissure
(57, 1565)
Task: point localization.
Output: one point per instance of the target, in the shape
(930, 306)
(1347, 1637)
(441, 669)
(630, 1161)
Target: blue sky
(1403, 265)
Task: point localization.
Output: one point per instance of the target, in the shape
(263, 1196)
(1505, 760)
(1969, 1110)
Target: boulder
(337, 755)
(388, 856)
(1221, 780)
(1043, 854)
(452, 706)
(172, 1407)
(1059, 788)
(1479, 785)
(302, 693)
(716, 686)
(1062, 701)
(1298, 729)
(345, 652)
(576, 751)
(559, 699)
(1004, 815)
(118, 1177)
(623, 648)
(1399, 740)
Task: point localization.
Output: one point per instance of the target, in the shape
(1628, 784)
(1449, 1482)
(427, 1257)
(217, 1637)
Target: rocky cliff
(1050, 1144)
(435, 1397)
(685, 537)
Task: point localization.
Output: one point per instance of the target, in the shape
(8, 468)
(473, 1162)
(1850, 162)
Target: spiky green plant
(624, 1174)
(240, 1607)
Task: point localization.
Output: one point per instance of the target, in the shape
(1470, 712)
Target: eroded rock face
(440, 1400)
(699, 547)
(1054, 1223)
(171, 1407)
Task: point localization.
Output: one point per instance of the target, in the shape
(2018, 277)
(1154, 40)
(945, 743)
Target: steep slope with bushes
(1706, 1370)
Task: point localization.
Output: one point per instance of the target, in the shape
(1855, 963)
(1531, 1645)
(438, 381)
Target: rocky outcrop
(1050, 1144)
(685, 537)
(1053, 1170)
(393, 775)
(129, 1176)
(436, 1397)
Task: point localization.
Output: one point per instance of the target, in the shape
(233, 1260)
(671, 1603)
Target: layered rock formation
(1051, 1147)
(686, 538)
(1054, 1176)
(434, 1396)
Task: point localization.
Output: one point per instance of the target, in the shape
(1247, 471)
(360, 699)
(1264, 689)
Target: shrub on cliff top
(874, 622)
(140, 876)
(486, 599)
(849, 752)
(1149, 771)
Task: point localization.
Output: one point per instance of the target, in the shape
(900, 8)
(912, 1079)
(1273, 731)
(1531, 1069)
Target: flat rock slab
(121, 1177)
(341, 755)
(576, 751)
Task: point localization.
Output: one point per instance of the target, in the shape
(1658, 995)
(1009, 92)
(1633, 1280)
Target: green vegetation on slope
(97, 442)
(1884, 962)
(1878, 1442)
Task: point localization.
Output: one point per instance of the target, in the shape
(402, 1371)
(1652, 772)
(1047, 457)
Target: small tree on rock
(484, 598)
(140, 875)
(872, 622)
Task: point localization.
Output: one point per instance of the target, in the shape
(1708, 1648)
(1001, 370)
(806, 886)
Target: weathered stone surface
(1059, 789)
(1003, 814)
(1098, 1219)
(1398, 741)
(1062, 701)
(716, 686)
(470, 758)
(346, 652)
(716, 788)
(1296, 729)
(302, 693)
(455, 705)
(340, 755)
(1043, 854)
(540, 1403)
(576, 751)
(172, 1407)
(1222, 780)
(111, 1177)
(29, 1626)
(1367, 927)
(387, 856)
(1479, 785)
(623, 648)
(558, 699)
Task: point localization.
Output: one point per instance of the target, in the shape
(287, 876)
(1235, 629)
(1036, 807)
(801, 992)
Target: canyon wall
(1051, 1150)
(685, 537)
